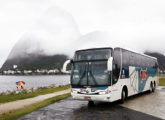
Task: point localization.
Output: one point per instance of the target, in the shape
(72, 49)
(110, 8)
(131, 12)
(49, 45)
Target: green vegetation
(16, 114)
(45, 62)
(34, 62)
(162, 82)
(160, 57)
(24, 95)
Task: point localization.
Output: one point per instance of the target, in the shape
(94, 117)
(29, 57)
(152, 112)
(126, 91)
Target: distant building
(15, 66)
(53, 71)
(43, 71)
(27, 72)
(18, 72)
(4, 72)
(9, 72)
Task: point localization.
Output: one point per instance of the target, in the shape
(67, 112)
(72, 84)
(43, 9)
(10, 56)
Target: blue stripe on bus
(100, 88)
(151, 72)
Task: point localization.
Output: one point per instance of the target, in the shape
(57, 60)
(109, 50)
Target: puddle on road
(163, 89)
(69, 109)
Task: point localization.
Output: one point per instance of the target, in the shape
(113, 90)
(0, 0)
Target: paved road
(152, 104)
(69, 109)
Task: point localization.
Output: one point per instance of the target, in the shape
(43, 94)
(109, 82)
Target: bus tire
(90, 103)
(154, 87)
(151, 88)
(123, 96)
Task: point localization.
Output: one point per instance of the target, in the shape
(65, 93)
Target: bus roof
(97, 48)
(94, 48)
(137, 52)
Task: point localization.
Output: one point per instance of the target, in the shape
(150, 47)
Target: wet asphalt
(69, 109)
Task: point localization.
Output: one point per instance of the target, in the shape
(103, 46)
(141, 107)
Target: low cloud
(56, 31)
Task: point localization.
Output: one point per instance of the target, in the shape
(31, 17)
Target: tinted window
(138, 60)
(127, 58)
(133, 59)
(79, 74)
(125, 72)
(90, 73)
(92, 54)
(98, 74)
(116, 65)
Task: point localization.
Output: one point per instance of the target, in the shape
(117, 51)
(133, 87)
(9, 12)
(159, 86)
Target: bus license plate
(87, 98)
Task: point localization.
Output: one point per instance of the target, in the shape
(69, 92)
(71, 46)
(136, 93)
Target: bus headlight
(104, 92)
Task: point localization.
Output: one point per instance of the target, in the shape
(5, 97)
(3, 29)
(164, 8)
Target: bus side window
(156, 65)
(125, 72)
(115, 74)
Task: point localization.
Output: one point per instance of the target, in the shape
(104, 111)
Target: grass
(21, 112)
(24, 95)
(162, 82)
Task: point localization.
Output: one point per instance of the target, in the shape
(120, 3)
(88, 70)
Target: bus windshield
(90, 73)
(89, 68)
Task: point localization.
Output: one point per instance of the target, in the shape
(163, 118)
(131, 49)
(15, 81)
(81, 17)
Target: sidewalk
(15, 105)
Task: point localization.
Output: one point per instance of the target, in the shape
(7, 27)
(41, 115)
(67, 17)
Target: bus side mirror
(64, 69)
(110, 64)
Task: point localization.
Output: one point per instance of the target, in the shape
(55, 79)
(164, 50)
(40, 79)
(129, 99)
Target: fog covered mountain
(47, 42)
(30, 54)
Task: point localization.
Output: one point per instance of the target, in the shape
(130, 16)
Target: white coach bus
(107, 74)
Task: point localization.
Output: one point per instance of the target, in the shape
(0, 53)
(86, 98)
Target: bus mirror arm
(110, 64)
(64, 69)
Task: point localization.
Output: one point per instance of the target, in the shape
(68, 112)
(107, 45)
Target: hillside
(36, 62)
(160, 57)
(47, 44)
(29, 55)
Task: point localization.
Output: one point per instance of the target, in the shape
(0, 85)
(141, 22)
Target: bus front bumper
(85, 97)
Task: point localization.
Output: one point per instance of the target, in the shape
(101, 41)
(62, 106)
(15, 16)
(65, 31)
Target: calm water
(9, 82)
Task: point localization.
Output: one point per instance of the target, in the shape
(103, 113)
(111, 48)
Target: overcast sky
(137, 24)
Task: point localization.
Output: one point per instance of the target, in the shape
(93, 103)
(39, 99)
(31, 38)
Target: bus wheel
(123, 96)
(151, 87)
(154, 86)
(90, 103)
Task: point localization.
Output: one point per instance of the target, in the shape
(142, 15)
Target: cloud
(55, 32)
(97, 39)
(17, 17)
(139, 25)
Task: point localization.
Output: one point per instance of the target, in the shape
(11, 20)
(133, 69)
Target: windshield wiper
(93, 78)
(84, 73)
